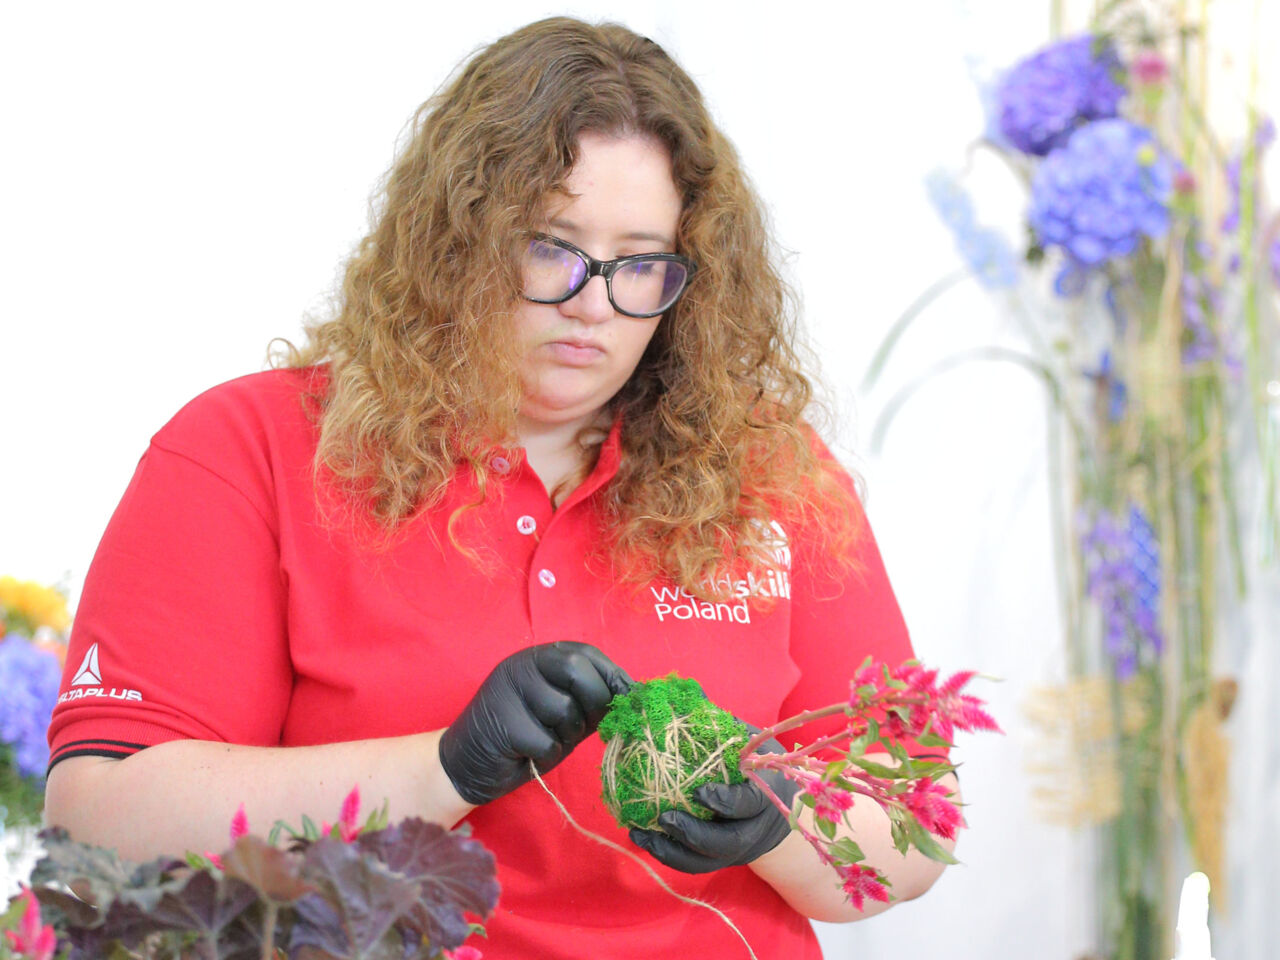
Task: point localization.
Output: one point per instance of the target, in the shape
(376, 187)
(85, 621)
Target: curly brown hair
(422, 365)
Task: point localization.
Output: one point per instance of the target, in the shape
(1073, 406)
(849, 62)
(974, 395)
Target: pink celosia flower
(31, 940)
(906, 701)
(464, 952)
(214, 859)
(937, 814)
(1150, 68)
(348, 827)
(830, 801)
(239, 824)
(860, 883)
(1184, 182)
(347, 824)
(953, 710)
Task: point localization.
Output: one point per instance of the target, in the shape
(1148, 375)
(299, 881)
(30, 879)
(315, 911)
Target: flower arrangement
(1154, 332)
(33, 627)
(349, 890)
(664, 739)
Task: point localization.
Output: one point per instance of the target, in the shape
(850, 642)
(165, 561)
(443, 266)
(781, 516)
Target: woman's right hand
(537, 704)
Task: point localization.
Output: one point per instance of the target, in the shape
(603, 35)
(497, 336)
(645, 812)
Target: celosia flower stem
(799, 720)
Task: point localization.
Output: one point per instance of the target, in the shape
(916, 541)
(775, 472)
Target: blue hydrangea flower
(985, 250)
(1043, 99)
(1123, 563)
(1098, 196)
(29, 678)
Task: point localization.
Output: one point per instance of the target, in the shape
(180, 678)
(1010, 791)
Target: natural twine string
(664, 779)
(648, 869)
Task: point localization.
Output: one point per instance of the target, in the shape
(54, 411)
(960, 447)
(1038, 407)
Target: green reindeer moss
(663, 739)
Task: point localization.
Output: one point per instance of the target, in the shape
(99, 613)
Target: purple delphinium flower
(1144, 557)
(1263, 137)
(1111, 389)
(1043, 99)
(1123, 565)
(985, 250)
(951, 201)
(1275, 261)
(990, 257)
(1102, 193)
(1200, 345)
(29, 678)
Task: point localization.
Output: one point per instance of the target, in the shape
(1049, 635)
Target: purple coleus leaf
(205, 906)
(454, 874)
(357, 903)
(274, 874)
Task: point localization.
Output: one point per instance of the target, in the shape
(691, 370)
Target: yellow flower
(42, 606)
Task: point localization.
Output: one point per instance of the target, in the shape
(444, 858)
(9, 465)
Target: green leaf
(825, 827)
(846, 851)
(309, 829)
(793, 819)
(932, 740)
(898, 832)
(933, 769)
(834, 769)
(924, 841)
(877, 769)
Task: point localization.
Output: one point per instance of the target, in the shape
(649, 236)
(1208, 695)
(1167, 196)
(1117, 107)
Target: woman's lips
(576, 353)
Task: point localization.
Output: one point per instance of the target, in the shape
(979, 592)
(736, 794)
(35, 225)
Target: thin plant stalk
(900, 326)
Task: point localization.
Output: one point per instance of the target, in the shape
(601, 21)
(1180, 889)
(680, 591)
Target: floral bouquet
(337, 892)
(1154, 332)
(664, 739)
(33, 626)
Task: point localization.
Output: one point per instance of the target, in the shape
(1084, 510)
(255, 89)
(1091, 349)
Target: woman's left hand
(747, 825)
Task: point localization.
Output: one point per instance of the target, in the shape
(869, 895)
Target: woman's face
(577, 354)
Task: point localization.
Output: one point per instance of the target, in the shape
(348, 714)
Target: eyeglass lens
(641, 286)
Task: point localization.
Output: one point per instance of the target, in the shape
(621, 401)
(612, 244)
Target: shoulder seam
(275, 533)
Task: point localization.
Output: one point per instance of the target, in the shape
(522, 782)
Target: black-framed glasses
(641, 286)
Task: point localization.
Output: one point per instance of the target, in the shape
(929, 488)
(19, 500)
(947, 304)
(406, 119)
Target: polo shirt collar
(606, 467)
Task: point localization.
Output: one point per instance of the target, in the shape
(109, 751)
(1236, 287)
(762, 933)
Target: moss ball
(663, 739)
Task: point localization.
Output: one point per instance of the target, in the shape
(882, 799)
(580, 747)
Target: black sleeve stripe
(88, 752)
(114, 743)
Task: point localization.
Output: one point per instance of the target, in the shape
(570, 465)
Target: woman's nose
(591, 303)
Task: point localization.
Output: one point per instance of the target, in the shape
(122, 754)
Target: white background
(181, 182)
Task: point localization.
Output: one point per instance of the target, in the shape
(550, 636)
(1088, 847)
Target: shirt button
(546, 578)
(526, 524)
(500, 465)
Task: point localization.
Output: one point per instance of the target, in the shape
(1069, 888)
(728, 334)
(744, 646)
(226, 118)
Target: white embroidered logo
(89, 674)
(88, 683)
(680, 604)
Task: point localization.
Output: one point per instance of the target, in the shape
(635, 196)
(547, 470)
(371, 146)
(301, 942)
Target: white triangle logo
(89, 674)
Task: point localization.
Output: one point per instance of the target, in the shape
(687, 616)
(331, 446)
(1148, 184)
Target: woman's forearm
(180, 796)
(812, 888)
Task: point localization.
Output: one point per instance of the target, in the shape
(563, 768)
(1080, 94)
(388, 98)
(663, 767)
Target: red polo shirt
(220, 606)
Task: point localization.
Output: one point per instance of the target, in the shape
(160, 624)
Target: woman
(552, 440)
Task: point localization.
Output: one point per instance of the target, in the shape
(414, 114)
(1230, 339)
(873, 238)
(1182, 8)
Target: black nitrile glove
(747, 824)
(537, 704)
